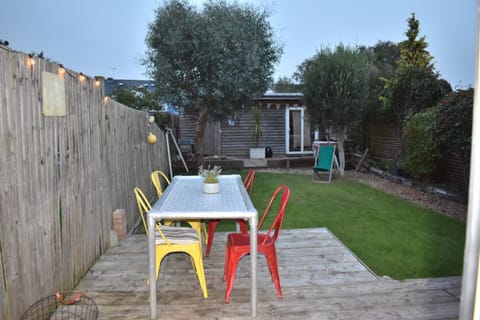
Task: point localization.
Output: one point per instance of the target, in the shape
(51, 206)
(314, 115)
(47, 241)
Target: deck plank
(320, 277)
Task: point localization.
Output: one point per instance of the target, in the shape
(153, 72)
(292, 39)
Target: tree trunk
(199, 131)
(341, 150)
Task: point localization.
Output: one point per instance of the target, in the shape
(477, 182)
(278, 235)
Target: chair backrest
(157, 177)
(324, 159)
(284, 192)
(248, 181)
(143, 205)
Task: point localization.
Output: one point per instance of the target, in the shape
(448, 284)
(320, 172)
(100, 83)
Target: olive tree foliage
(212, 61)
(335, 90)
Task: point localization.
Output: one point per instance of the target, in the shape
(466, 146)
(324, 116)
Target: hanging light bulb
(98, 81)
(151, 138)
(81, 77)
(31, 61)
(61, 70)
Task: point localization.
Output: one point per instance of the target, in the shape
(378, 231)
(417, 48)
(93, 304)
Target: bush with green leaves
(438, 133)
(452, 127)
(419, 152)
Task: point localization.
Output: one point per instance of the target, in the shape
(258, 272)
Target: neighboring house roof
(281, 99)
(112, 84)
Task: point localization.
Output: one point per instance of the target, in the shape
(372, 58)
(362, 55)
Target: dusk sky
(107, 37)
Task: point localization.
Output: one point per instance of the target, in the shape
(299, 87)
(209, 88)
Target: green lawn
(392, 236)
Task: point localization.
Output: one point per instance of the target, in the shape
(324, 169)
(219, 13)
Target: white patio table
(184, 200)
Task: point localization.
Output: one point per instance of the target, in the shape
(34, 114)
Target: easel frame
(169, 132)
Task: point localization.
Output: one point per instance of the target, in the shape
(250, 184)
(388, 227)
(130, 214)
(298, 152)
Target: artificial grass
(394, 237)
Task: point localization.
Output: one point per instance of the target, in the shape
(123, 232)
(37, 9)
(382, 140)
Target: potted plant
(257, 152)
(210, 175)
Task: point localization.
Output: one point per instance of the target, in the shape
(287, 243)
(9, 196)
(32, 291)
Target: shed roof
(281, 96)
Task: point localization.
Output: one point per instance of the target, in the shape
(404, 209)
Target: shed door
(298, 131)
(211, 139)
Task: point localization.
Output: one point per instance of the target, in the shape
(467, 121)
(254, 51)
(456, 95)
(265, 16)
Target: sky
(107, 37)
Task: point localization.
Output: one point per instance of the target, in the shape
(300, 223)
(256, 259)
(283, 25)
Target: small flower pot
(211, 188)
(257, 153)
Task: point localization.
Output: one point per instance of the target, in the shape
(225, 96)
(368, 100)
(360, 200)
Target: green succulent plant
(210, 174)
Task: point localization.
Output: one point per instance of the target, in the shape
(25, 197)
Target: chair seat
(177, 235)
(243, 240)
(212, 225)
(157, 178)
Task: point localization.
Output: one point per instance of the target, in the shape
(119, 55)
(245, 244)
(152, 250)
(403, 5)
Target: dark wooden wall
(238, 139)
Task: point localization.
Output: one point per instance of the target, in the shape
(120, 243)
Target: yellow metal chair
(157, 177)
(174, 239)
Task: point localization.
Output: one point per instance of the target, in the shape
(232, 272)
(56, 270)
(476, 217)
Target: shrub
(452, 127)
(419, 154)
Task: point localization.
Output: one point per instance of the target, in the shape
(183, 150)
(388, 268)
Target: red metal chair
(238, 244)
(212, 224)
(248, 181)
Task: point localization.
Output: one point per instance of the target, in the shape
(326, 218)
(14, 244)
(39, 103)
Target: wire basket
(54, 307)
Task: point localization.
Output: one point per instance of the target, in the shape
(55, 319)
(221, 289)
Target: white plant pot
(257, 153)
(211, 187)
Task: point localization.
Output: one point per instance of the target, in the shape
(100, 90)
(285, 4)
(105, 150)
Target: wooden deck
(320, 277)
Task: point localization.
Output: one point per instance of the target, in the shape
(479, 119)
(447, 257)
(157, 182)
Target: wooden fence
(61, 177)
(384, 143)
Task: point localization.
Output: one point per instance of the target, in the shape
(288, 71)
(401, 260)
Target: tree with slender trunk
(210, 62)
(335, 90)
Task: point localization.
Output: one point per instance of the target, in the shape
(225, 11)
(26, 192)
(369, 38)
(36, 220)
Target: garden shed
(284, 125)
